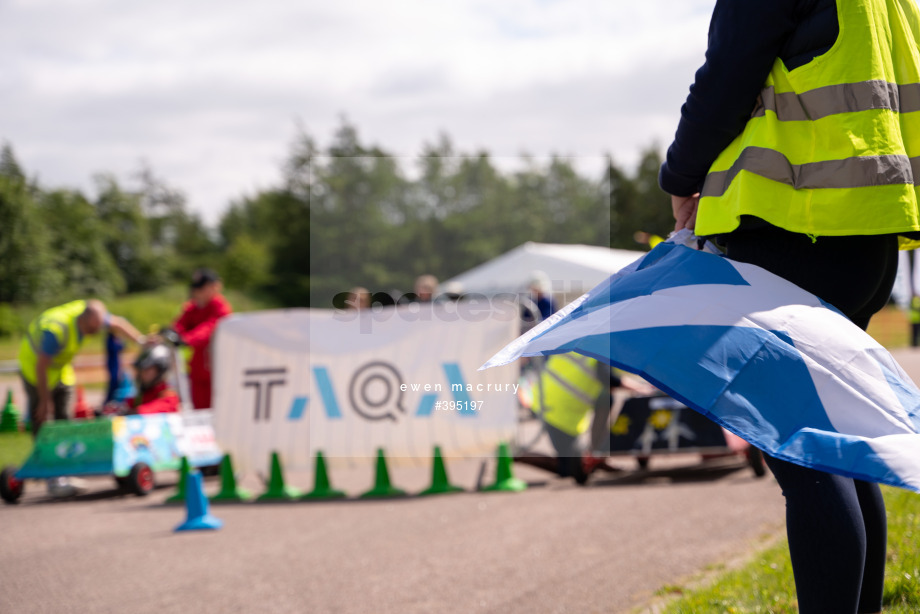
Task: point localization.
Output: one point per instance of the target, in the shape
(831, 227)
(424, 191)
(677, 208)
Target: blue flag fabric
(767, 360)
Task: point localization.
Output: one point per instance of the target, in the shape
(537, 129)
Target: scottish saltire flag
(753, 352)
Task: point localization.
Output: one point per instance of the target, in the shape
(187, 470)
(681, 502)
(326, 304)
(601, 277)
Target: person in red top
(195, 326)
(155, 396)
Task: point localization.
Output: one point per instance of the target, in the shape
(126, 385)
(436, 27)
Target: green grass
(14, 448)
(765, 585)
(143, 310)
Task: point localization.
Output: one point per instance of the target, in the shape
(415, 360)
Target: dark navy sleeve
(50, 344)
(745, 38)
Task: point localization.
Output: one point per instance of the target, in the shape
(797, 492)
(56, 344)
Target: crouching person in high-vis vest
(571, 387)
(47, 351)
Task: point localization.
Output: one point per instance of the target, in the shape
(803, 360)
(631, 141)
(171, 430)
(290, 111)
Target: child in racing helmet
(154, 393)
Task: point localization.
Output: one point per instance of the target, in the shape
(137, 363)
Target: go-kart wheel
(140, 480)
(10, 487)
(755, 460)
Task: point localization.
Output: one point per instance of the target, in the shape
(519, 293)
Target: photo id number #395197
(458, 405)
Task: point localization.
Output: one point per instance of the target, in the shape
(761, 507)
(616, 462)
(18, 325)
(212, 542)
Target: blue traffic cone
(196, 506)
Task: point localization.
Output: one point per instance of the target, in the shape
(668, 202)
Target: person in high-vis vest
(796, 151)
(47, 351)
(571, 387)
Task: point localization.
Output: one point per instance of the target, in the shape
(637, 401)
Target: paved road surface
(554, 548)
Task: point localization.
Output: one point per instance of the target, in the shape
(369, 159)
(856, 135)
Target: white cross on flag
(767, 360)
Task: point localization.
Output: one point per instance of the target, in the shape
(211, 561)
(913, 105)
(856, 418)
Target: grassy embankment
(143, 310)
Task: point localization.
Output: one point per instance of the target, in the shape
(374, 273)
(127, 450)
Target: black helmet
(154, 356)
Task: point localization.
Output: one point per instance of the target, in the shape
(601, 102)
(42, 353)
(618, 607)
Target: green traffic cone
(322, 489)
(179, 496)
(504, 480)
(439, 482)
(9, 418)
(229, 491)
(277, 491)
(382, 486)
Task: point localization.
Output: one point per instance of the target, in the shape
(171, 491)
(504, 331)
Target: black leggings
(837, 526)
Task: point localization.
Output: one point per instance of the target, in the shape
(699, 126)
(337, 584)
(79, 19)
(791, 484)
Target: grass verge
(143, 310)
(765, 585)
(14, 448)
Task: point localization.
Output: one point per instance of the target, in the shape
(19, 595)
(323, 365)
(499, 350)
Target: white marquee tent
(571, 269)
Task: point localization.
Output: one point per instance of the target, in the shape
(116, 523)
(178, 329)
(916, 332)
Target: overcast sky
(210, 92)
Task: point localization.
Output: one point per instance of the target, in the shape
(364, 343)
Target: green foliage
(637, 204)
(345, 215)
(24, 246)
(57, 244)
(246, 264)
(127, 236)
(376, 227)
(178, 239)
(10, 324)
(80, 263)
(9, 166)
(277, 226)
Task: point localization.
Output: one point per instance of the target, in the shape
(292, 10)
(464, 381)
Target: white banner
(345, 382)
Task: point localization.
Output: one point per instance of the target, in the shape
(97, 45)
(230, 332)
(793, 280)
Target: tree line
(345, 215)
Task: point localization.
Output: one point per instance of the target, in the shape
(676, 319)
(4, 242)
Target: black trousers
(837, 526)
(61, 396)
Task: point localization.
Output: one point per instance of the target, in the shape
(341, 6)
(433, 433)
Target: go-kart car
(659, 424)
(130, 448)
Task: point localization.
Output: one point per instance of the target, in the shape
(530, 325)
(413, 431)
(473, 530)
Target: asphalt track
(554, 548)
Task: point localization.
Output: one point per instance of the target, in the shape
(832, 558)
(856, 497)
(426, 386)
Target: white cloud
(208, 91)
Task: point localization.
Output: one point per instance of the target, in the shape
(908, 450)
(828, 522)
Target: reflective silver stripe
(35, 348)
(41, 325)
(857, 172)
(834, 99)
(581, 396)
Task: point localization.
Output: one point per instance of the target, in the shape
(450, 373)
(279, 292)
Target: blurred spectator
(540, 297)
(425, 287)
(195, 326)
(120, 385)
(358, 298)
(541, 294)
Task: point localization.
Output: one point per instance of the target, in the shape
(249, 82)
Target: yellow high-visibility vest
(833, 146)
(60, 321)
(569, 389)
